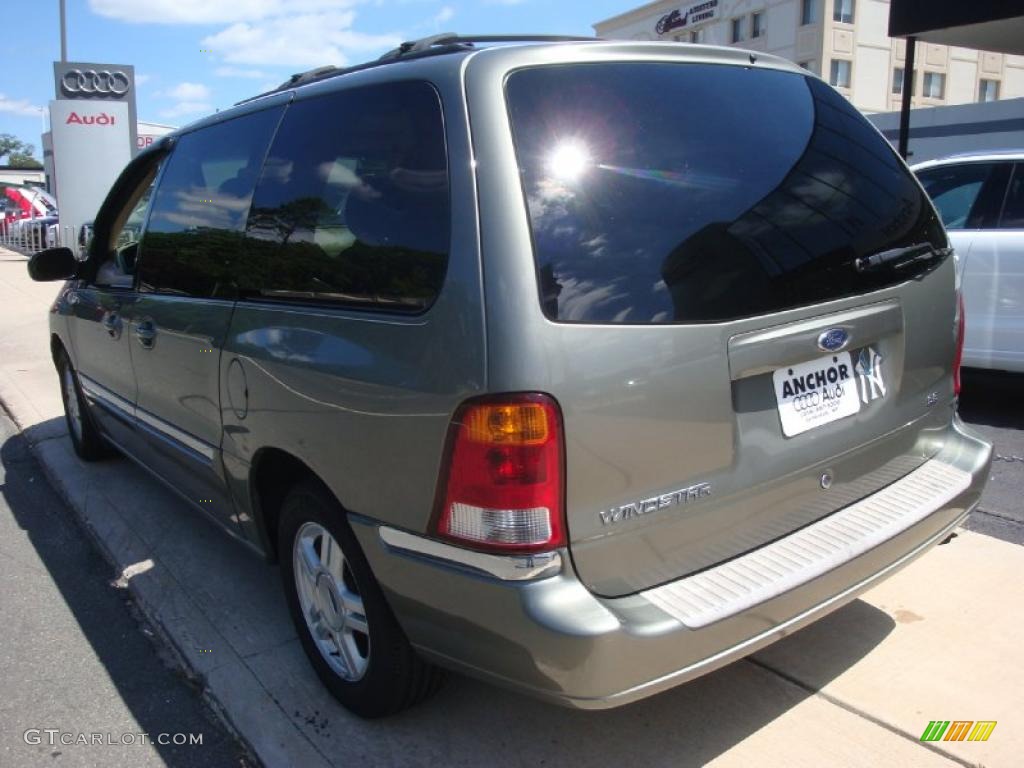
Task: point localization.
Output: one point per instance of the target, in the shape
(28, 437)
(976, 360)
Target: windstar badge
(655, 503)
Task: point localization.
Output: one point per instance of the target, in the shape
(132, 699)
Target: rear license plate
(816, 392)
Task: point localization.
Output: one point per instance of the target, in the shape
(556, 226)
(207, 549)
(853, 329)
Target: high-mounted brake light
(959, 354)
(501, 483)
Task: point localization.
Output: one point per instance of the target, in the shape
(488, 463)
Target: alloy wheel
(331, 603)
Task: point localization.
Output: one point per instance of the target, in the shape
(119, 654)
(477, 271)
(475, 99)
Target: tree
(18, 153)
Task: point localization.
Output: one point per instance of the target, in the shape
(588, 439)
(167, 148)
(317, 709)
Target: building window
(988, 90)
(934, 85)
(808, 12)
(897, 82)
(842, 10)
(697, 35)
(756, 24)
(840, 74)
(737, 30)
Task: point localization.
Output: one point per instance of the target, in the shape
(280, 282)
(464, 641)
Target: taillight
(502, 485)
(959, 355)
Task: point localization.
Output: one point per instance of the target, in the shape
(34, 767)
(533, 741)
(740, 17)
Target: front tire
(344, 623)
(85, 436)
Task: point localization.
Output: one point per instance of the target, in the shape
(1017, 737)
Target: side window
(198, 216)
(1013, 210)
(358, 213)
(117, 270)
(967, 196)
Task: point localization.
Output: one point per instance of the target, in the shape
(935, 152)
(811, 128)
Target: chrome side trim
(504, 567)
(736, 585)
(105, 397)
(168, 430)
(118, 404)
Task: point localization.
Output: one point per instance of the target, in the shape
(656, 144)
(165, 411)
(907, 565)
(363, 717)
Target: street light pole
(63, 33)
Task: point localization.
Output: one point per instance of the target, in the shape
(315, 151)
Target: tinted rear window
(690, 193)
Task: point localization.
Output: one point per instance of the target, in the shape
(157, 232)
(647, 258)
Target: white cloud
(184, 108)
(189, 98)
(188, 92)
(296, 40)
(445, 14)
(208, 11)
(141, 79)
(19, 107)
(254, 74)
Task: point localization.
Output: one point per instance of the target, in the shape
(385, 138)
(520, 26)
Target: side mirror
(52, 264)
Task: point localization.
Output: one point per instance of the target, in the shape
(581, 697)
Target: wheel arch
(57, 346)
(273, 472)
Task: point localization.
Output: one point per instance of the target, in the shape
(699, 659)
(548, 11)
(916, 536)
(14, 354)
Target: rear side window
(352, 207)
(197, 221)
(1013, 211)
(969, 195)
(690, 193)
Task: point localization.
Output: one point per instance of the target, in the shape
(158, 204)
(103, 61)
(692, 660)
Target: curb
(120, 546)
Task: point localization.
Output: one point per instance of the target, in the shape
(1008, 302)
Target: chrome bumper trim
(504, 567)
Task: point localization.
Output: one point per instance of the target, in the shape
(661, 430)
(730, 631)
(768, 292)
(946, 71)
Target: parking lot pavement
(994, 404)
(74, 658)
(937, 641)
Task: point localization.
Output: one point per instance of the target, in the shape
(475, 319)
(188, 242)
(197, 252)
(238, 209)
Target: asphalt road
(993, 403)
(74, 656)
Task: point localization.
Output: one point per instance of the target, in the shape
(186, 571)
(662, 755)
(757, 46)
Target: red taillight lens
(502, 477)
(959, 355)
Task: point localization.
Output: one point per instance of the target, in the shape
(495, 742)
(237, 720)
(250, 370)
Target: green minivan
(582, 367)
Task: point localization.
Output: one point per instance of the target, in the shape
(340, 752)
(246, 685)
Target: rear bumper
(552, 638)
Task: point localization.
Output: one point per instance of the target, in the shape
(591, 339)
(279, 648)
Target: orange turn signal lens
(513, 424)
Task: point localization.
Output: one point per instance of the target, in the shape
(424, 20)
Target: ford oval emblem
(833, 340)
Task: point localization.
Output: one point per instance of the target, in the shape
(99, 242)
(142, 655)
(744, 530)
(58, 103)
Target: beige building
(844, 41)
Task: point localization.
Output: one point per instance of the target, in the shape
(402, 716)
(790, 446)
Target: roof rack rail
(446, 42)
(451, 38)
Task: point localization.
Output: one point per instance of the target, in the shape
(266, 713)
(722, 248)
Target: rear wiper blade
(898, 258)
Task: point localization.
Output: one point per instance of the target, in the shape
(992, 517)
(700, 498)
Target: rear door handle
(145, 332)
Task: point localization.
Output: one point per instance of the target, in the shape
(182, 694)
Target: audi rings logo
(88, 82)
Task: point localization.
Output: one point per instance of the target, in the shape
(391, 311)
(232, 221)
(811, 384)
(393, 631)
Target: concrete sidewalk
(938, 641)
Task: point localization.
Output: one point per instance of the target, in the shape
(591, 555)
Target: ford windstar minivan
(581, 367)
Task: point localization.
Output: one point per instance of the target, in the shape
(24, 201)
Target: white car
(980, 197)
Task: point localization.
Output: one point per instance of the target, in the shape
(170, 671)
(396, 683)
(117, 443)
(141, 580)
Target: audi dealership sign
(93, 132)
(97, 82)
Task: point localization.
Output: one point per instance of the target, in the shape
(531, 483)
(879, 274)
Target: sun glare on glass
(568, 161)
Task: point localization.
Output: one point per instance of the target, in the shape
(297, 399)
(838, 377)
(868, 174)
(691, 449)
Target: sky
(192, 57)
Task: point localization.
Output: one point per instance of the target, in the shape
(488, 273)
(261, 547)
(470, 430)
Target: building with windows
(844, 41)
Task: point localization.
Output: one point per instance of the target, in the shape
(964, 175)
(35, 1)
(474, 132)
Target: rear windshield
(694, 193)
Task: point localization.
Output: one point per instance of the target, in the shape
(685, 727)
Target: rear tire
(85, 436)
(344, 623)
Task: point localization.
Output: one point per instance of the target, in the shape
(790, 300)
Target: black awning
(988, 25)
